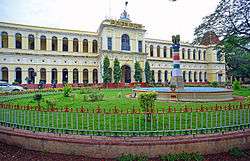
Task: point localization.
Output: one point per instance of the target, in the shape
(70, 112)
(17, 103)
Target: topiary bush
(38, 98)
(236, 85)
(67, 89)
(96, 96)
(183, 157)
(147, 100)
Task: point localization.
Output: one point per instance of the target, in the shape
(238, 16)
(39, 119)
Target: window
(18, 41)
(158, 51)
(184, 76)
(189, 52)
(5, 74)
(95, 76)
(205, 76)
(75, 75)
(85, 45)
(218, 55)
(183, 53)
(43, 42)
(18, 71)
(5, 40)
(140, 46)
(43, 75)
(200, 76)
(166, 76)
(204, 55)
(165, 51)
(109, 43)
(151, 50)
(171, 52)
(75, 45)
(195, 76)
(65, 44)
(194, 54)
(85, 76)
(31, 42)
(125, 42)
(199, 55)
(153, 75)
(54, 43)
(54, 75)
(190, 76)
(94, 46)
(159, 76)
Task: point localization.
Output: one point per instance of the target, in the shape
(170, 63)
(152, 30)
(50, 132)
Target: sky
(161, 18)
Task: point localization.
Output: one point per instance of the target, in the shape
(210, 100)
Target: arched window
(43, 75)
(85, 76)
(158, 51)
(204, 55)
(151, 50)
(18, 37)
(159, 76)
(54, 43)
(54, 76)
(190, 76)
(75, 75)
(31, 75)
(183, 53)
(199, 55)
(65, 44)
(200, 76)
(195, 76)
(166, 76)
(184, 76)
(125, 42)
(94, 46)
(165, 51)
(218, 55)
(205, 76)
(65, 75)
(95, 76)
(31, 42)
(194, 54)
(75, 45)
(171, 52)
(85, 45)
(189, 52)
(5, 74)
(43, 43)
(5, 40)
(18, 71)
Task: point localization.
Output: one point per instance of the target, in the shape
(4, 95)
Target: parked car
(5, 87)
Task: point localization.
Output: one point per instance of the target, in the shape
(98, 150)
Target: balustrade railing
(117, 122)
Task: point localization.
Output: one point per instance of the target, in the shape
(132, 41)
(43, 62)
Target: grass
(112, 98)
(89, 122)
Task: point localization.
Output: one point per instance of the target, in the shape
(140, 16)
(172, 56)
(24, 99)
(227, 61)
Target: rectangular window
(109, 43)
(140, 46)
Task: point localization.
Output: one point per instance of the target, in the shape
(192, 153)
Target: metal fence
(133, 122)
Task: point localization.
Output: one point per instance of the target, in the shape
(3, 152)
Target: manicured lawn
(112, 98)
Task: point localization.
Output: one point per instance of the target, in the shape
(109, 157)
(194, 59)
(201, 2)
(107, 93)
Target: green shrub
(86, 91)
(214, 84)
(67, 90)
(51, 103)
(183, 157)
(236, 152)
(147, 100)
(96, 96)
(236, 85)
(247, 100)
(85, 97)
(131, 157)
(38, 98)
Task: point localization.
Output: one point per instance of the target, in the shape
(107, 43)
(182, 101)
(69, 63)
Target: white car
(5, 87)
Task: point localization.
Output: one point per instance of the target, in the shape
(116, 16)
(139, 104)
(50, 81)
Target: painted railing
(132, 122)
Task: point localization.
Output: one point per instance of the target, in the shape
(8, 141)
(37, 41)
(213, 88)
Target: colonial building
(35, 54)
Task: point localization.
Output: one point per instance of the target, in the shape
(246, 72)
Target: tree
(147, 72)
(138, 72)
(231, 18)
(117, 71)
(106, 71)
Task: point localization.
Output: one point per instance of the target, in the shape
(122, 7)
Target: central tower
(177, 78)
